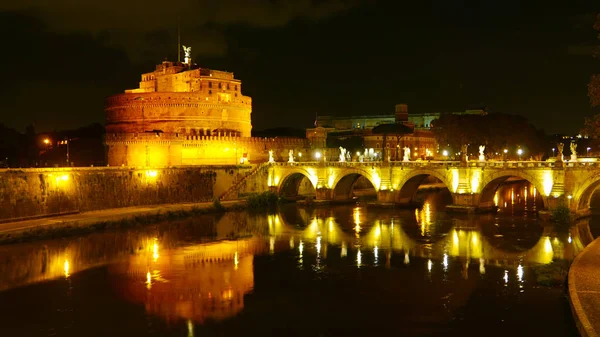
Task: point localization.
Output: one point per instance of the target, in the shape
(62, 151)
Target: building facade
(420, 141)
(185, 115)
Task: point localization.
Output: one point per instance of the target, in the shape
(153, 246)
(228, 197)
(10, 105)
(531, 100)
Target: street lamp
(588, 151)
(46, 141)
(317, 155)
(519, 152)
(445, 153)
(553, 149)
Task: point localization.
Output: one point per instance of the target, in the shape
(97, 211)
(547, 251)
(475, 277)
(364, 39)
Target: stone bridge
(472, 184)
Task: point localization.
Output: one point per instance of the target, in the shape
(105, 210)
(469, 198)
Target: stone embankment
(584, 290)
(83, 223)
(34, 193)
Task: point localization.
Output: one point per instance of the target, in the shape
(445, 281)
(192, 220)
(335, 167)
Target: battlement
(173, 99)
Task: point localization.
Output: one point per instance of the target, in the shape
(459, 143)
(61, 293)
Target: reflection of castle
(184, 115)
(206, 281)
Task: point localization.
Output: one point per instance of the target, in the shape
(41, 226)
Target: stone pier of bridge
(472, 184)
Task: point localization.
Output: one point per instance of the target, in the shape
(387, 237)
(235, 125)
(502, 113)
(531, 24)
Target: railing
(237, 184)
(447, 163)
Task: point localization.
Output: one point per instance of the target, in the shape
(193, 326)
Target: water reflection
(202, 269)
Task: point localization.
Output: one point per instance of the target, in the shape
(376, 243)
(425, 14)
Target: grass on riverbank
(553, 274)
(76, 229)
(261, 201)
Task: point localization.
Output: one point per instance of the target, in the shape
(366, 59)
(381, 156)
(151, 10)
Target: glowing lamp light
(66, 268)
(505, 151)
(46, 141)
(317, 155)
(445, 153)
(520, 152)
(151, 173)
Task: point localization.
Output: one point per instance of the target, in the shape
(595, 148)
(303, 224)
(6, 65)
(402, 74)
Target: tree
(496, 131)
(591, 127)
(594, 85)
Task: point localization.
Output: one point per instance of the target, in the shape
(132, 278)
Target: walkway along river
(336, 271)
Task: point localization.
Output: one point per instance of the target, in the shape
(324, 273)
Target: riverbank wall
(39, 192)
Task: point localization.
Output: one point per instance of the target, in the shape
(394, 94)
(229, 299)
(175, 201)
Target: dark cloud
(130, 23)
(297, 58)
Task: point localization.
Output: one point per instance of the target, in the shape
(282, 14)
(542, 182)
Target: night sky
(60, 58)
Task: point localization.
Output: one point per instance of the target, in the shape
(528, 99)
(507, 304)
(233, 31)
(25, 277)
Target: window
(210, 92)
(236, 87)
(219, 85)
(377, 146)
(210, 84)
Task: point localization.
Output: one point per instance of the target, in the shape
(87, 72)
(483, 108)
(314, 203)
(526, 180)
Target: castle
(182, 114)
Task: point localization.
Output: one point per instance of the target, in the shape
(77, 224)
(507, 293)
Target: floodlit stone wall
(165, 150)
(38, 192)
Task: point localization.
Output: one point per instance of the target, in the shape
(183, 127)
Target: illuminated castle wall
(184, 115)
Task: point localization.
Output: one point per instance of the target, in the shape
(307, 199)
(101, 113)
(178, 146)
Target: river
(348, 270)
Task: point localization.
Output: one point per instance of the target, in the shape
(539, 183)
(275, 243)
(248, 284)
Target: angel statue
(573, 151)
(559, 156)
(463, 149)
(271, 159)
(187, 51)
(342, 154)
(406, 154)
(291, 156)
(481, 155)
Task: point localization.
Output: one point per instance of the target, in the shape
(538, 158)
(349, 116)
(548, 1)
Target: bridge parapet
(471, 184)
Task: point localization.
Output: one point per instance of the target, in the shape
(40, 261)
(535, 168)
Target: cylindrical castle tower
(174, 103)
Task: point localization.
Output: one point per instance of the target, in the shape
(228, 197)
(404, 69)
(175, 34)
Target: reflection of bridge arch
(290, 183)
(343, 183)
(408, 186)
(492, 181)
(583, 195)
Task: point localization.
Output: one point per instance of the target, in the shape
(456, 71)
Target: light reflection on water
(179, 275)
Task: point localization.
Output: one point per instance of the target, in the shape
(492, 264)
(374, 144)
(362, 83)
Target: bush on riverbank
(553, 274)
(262, 200)
(561, 217)
(218, 205)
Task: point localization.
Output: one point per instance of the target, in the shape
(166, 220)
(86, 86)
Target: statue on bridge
(342, 154)
(463, 151)
(559, 155)
(291, 156)
(271, 159)
(573, 151)
(481, 155)
(406, 154)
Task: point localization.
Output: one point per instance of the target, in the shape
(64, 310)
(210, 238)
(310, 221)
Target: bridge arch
(343, 183)
(492, 180)
(290, 183)
(409, 185)
(583, 195)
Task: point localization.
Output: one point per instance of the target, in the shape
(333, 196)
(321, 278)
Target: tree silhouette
(594, 85)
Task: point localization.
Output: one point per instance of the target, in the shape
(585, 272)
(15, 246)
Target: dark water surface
(339, 271)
